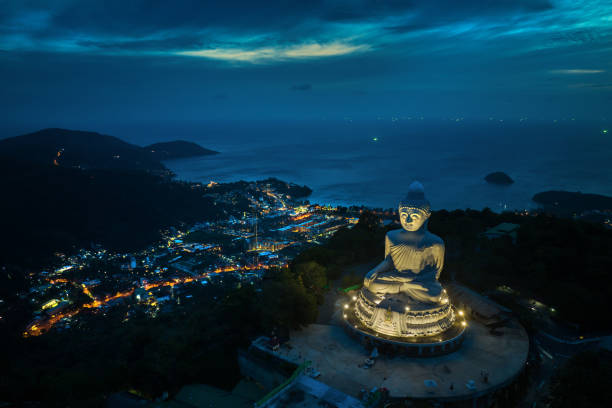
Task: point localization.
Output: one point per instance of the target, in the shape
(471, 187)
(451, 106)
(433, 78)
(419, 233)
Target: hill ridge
(93, 150)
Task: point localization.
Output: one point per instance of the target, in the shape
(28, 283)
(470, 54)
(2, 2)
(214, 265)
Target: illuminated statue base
(397, 315)
(399, 325)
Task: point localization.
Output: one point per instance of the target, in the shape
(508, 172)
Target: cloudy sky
(64, 61)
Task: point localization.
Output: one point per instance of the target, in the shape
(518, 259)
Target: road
(553, 353)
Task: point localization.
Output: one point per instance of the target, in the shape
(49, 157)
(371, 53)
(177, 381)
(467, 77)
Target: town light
(461, 313)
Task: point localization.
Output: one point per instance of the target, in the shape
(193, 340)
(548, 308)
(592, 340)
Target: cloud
(276, 53)
(235, 54)
(174, 42)
(143, 25)
(577, 71)
(243, 32)
(301, 87)
(326, 50)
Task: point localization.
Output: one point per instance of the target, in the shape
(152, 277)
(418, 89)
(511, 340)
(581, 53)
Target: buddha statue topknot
(401, 296)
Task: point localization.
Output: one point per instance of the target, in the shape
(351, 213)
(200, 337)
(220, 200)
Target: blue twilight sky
(75, 62)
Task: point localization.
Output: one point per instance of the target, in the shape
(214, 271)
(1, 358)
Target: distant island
(177, 150)
(566, 202)
(92, 150)
(499, 178)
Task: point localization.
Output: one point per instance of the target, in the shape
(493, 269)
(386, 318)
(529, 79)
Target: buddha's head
(414, 210)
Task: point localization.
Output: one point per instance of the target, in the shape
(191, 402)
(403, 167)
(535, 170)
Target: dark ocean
(372, 163)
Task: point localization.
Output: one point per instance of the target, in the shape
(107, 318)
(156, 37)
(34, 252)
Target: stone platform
(419, 346)
(399, 316)
(444, 339)
(339, 359)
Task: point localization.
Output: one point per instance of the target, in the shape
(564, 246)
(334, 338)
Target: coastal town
(93, 280)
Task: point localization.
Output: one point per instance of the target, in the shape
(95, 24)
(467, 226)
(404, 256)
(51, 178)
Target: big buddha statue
(401, 296)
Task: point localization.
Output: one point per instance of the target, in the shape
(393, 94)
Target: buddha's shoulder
(394, 234)
(434, 239)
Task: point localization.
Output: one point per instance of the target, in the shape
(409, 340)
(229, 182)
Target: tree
(585, 381)
(313, 275)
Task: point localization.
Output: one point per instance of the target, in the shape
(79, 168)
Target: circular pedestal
(398, 315)
(417, 346)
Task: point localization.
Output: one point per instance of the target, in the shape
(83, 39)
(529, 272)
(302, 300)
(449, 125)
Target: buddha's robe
(412, 268)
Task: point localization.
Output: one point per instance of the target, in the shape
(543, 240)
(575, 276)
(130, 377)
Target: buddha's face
(412, 219)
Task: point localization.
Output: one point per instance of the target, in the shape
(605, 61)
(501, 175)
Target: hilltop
(75, 148)
(70, 188)
(499, 178)
(55, 208)
(566, 202)
(92, 150)
(177, 149)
